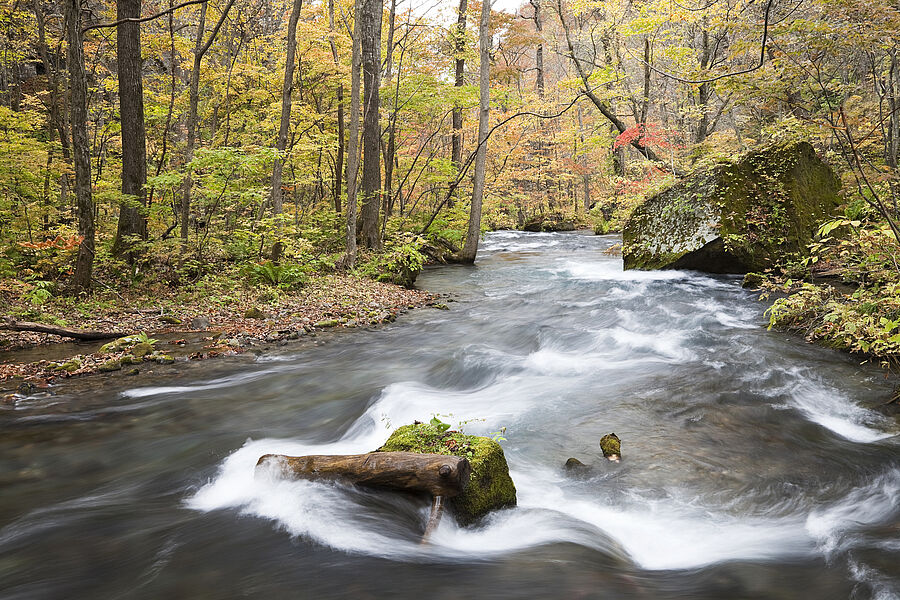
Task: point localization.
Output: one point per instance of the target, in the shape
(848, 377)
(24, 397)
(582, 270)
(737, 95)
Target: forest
(160, 154)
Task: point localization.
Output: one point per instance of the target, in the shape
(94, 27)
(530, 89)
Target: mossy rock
(753, 280)
(611, 446)
(160, 358)
(490, 486)
(70, 366)
(110, 366)
(736, 217)
(255, 313)
(326, 323)
(141, 350)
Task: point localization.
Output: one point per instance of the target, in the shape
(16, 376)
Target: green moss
(490, 486)
(69, 366)
(110, 365)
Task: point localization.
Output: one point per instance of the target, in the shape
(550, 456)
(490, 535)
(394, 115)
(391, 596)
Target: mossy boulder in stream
(490, 486)
(735, 217)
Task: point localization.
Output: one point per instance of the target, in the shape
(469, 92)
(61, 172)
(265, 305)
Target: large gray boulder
(735, 217)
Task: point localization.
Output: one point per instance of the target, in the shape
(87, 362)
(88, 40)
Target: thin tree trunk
(84, 261)
(370, 45)
(276, 193)
(353, 142)
(339, 160)
(132, 221)
(194, 100)
(200, 49)
(645, 101)
(585, 176)
(470, 249)
(459, 49)
(390, 148)
(539, 54)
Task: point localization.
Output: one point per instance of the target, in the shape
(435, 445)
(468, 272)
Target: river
(754, 465)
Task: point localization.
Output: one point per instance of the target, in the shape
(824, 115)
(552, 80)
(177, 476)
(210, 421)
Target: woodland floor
(239, 318)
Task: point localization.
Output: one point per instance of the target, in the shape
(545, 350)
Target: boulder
(552, 222)
(737, 216)
(490, 486)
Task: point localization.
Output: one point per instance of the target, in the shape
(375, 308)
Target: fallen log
(79, 334)
(434, 474)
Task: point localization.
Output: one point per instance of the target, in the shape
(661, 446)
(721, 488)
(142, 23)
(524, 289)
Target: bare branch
(143, 19)
(762, 58)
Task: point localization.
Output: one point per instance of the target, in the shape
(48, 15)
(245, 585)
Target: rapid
(754, 465)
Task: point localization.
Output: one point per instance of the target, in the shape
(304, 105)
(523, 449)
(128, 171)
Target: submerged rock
(735, 217)
(573, 464)
(490, 486)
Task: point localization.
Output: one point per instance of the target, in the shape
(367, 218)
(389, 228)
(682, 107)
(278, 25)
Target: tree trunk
(200, 49)
(132, 221)
(459, 49)
(470, 249)
(194, 100)
(276, 194)
(390, 149)
(645, 101)
(434, 474)
(539, 53)
(353, 142)
(370, 44)
(339, 160)
(81, 153)
(704, 91)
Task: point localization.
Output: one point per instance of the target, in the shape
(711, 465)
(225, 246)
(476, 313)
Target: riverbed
(753, 465)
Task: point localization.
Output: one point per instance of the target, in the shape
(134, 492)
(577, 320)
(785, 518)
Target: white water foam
(210, 385)
(611, 270)
(835, 411)
(877, 502)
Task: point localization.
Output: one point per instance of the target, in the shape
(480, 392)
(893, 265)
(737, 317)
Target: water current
(754, 465)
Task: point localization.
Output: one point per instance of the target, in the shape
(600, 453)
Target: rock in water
(490, 486)
(735, 217)
(573, 464)
(611, 447)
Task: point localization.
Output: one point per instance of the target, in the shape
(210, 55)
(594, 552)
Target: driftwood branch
(437, 510)
(10, 324)
(405, 471)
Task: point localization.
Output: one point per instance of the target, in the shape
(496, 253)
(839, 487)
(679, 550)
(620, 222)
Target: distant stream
(754, 465)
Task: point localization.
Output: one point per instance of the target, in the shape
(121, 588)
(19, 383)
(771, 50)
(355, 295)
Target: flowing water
(753, 464)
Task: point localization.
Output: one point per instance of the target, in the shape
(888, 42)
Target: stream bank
(193, 327)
